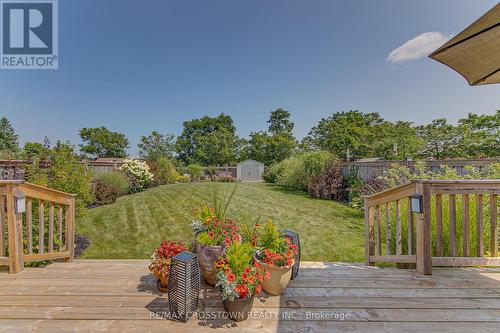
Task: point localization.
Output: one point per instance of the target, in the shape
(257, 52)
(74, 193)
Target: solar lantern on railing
(19, 204)
(294, 239)
(416, 203)
(183, 285)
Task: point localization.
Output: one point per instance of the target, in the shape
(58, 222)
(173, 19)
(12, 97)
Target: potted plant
(160, 265)
(212, 237)
(239, 280)
(213, 233)
(275, 254)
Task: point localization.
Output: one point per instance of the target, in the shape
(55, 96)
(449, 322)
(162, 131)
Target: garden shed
(250, 171)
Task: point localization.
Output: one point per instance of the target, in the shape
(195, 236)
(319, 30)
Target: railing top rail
(408, 189)
(38, 191)
(390, 191)
(460, 181)
(8, 182)
(48, 190)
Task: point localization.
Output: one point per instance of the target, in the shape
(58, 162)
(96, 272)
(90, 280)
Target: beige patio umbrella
(475, 52)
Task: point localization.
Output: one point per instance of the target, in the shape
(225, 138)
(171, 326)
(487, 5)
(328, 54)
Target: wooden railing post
(15, 232)
(369, 233)
(424, 250)
(70, 230)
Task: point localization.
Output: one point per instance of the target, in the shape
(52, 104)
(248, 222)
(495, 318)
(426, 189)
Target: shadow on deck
(120, 295)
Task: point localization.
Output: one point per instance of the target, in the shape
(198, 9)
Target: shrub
(165, 172)
(353, 185)
(109, 186)
(297, 172)
(272, 172)
(138, 174)
(223, 179)
(62, 171)
(292, 174)
(330, 184)
(315, 162)
(183, 178)
(195, 171)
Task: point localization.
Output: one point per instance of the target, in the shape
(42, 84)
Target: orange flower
(258, 289)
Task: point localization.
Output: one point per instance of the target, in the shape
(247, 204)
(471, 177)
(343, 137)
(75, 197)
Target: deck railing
(393, 233)
(36, 224)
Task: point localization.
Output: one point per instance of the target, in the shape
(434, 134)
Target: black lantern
(183, 285)
(294, 239)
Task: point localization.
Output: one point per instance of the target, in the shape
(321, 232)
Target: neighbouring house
(249, 171)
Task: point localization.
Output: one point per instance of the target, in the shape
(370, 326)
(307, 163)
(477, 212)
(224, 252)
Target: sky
(137, 66)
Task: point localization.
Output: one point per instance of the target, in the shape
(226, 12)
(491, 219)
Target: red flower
(242, 289)
(211, 234)
(231, 277)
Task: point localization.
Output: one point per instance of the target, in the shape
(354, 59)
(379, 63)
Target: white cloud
(418, 47)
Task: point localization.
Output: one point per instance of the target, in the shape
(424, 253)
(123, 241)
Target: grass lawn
(134, 225)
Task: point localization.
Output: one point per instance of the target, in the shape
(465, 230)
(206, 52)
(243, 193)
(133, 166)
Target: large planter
(239, 309)
(278, 278)
(207, 256)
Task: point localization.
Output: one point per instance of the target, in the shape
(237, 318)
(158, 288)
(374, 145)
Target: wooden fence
(36, 224)
(15, 169)
(370, 170)
(393, 233)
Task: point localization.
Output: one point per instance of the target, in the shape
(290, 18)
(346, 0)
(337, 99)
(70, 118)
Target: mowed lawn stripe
(134, 225)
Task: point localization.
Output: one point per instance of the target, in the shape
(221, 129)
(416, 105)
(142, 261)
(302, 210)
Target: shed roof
(251, 162)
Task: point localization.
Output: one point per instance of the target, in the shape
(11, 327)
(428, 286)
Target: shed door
(250, 173)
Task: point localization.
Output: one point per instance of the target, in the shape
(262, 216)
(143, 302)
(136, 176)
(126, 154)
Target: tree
(8, 137)
(358, 135)
(279, 123)
(395, 141)
(440, 139)
(345, 133)
(101, 142)
(479, 135)
(268, 149)
(32, 149)
(156, 145)
(36, 149)
(209, 141)
(273, 146)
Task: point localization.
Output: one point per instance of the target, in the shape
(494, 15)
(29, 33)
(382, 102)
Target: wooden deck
(119, 295)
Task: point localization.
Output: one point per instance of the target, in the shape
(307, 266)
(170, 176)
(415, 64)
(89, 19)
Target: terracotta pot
(278, 279)
(162, 284)
(239, 309)
(207, 256)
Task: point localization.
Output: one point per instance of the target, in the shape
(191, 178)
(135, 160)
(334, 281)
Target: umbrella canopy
(475, 52)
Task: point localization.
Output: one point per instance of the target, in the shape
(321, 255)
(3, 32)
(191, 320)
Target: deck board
(119, 296)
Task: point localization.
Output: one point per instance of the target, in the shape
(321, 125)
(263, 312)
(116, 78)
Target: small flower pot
(278, 278)
(207, 256)
(162, 284)
(239, 309)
